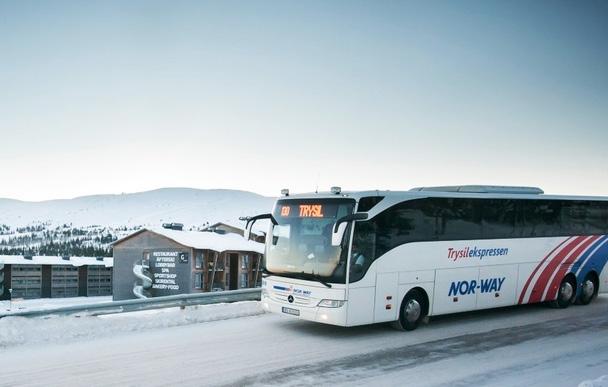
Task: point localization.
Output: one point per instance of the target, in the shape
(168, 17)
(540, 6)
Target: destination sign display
(306, 210)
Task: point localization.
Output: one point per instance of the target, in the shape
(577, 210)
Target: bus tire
(566, 293)
(412, 312)
(588, 289)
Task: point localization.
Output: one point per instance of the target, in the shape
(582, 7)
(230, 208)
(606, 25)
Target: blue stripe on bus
(280, 288)
(596, 262)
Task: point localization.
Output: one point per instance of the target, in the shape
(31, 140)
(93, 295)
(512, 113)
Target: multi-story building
(46, 276)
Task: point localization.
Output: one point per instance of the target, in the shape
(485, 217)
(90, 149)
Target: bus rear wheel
(565, 294)
(412, 311)
(588, 289)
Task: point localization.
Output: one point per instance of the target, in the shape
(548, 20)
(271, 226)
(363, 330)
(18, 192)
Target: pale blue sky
(126, 96)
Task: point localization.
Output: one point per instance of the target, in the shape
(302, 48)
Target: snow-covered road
(530, 345)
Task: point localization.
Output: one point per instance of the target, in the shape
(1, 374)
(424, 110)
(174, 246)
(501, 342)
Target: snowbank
(59, 329)
(602, 381)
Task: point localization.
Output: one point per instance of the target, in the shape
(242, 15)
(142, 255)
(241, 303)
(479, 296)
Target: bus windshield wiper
(318, 279)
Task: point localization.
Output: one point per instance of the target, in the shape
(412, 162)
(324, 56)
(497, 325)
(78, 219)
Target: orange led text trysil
(311, 210)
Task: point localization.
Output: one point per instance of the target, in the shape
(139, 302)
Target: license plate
(291, 311)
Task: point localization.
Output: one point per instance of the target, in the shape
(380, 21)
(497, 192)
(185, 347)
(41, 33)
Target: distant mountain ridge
(190, 206)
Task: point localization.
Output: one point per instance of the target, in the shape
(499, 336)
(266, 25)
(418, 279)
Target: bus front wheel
(412, 311)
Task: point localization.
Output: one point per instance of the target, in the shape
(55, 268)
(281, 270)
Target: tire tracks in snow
(352, 369)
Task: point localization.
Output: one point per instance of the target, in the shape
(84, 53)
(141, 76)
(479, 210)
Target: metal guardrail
(180, 300)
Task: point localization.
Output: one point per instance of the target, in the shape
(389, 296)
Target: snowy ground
(23, 331)
(530, 345)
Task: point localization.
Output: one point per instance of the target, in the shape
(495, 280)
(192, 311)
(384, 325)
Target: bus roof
(483, 189)
(461, 191)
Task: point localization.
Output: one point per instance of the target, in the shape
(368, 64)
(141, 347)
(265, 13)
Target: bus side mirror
(252, 220)
(340, 226)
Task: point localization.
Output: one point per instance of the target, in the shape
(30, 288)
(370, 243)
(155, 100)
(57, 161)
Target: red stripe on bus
(523, 292)
(553, 287)
(541, 284)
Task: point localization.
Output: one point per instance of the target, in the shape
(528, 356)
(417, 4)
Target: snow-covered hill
(192, 207)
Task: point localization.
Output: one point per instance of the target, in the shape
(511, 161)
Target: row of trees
(60, 249)
(63, 240)
(4, 229)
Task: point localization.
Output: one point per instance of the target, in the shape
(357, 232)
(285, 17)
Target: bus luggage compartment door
(387, 303)
(456, 290)
(497, 286)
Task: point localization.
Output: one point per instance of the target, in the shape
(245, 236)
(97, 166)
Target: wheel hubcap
(588, 289)
(566, 291)
(412, 311)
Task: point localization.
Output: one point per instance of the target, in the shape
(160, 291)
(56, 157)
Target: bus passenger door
(386, 303)
(456, 290)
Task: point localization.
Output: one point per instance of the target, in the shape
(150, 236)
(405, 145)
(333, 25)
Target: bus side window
(499, 218)
(574, 217)
(461, 219)
(597, 215)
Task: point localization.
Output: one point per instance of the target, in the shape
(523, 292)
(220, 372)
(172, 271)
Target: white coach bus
(368, 257)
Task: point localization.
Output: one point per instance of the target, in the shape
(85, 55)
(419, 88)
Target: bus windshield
(301, 240)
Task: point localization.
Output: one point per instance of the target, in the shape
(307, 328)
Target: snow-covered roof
(52, 260)
(224, 224)
(206, 240)
(254, 232)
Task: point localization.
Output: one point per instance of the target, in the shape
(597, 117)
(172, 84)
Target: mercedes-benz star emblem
(290, 299)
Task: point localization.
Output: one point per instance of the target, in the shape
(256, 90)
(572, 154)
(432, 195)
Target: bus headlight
(331, 303)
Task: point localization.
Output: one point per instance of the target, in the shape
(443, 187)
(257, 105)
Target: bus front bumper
(333, 316)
